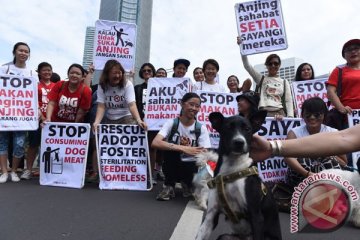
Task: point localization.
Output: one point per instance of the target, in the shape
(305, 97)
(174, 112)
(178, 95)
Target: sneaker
(178, 186)
(14, 177)
(26, 175)
(166, 194)
(186, 192)
(4, 177)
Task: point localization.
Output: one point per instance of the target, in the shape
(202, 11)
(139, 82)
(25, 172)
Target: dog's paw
(200, 203)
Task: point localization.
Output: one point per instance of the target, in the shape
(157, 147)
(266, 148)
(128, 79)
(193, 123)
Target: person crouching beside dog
(181, 139)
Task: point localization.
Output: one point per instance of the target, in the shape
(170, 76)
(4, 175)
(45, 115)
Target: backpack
(174, 129)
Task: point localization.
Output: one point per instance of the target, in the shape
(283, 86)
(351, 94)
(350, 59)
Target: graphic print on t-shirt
(67, 107)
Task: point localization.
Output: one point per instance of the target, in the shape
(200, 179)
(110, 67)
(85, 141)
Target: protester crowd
(173, 158)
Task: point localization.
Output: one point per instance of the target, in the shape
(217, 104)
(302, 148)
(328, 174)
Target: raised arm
(253, 73)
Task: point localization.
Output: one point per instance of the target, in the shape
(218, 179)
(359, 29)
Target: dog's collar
(219, 183)
(233, 176)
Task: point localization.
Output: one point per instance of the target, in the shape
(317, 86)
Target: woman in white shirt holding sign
(181, 146)
(21, 52)
(116, 98)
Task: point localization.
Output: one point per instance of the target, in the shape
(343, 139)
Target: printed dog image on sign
(64, 148)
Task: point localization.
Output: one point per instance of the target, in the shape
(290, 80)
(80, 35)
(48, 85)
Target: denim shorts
(18, 143)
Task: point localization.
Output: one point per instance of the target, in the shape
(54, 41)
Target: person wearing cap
(350, 97)
(210, 69)
(181, 66)
(248, 103)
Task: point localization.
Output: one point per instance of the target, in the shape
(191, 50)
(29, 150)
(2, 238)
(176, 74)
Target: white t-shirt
(186, 136)
(11, 69)
(116, 100)
(203, 86)
(302, 131)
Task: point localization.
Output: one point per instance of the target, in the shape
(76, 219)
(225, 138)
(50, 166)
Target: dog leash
(220, 181)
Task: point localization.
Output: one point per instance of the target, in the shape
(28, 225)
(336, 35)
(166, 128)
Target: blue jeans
(18, 143)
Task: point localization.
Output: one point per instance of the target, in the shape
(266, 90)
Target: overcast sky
(194, 29)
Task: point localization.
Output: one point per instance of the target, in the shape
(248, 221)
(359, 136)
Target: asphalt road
(33, 212)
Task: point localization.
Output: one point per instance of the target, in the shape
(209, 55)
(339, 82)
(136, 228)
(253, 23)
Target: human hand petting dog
(192, 151)
(260, 148)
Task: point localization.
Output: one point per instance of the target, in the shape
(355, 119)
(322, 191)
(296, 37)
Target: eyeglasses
(275, 64)
(147, 70)
(316, 115)
(191, 104)
(352, 48)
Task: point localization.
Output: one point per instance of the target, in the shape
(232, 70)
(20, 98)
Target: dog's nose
(238, 143)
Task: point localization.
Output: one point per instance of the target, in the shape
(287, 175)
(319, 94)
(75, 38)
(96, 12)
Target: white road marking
(189, 223)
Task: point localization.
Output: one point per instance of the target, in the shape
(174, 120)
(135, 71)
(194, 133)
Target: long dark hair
(299, 69)
(16, 46)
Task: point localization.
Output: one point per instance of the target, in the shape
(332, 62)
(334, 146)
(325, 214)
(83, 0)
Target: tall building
(130, 11)
(287, 70)
(88, 47)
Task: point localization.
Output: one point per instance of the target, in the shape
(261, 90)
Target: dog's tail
(204, 157)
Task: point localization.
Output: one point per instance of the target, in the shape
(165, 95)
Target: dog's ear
(216, 120)
(257, 119)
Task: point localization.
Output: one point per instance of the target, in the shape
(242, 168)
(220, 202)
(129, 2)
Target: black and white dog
(237, 191)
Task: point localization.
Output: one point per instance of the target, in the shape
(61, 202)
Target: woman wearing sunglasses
(275, 93)
(313, 112)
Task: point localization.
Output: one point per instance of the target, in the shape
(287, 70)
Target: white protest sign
(114, 40)
(224, 103)
(303, 90)
(18, 103)
(354, 119)
(163, 100)
(261, 26)
(64, 148)
(274, 169)
(122, 157)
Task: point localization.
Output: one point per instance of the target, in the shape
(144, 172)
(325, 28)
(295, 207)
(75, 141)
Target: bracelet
(307, 174)
(171, 146)
(276, 147)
